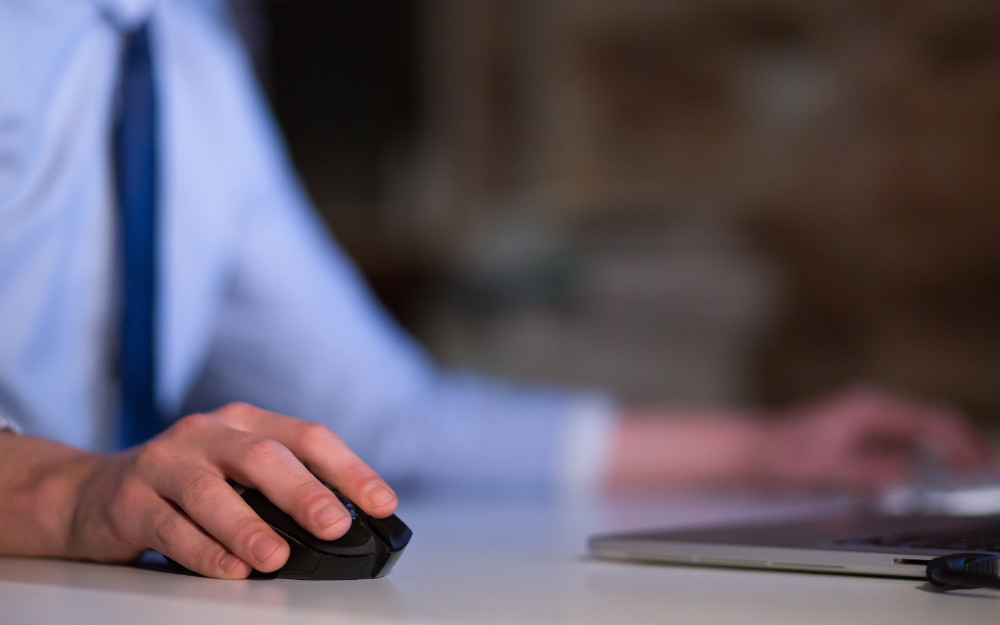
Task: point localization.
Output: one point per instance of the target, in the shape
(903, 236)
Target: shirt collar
(125, 14)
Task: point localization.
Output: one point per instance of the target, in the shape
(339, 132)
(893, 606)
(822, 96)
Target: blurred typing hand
(869, 441)
(861, 440)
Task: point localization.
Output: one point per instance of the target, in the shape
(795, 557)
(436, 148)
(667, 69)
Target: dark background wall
(719, 201)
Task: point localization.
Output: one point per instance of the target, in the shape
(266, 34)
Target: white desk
(515, 564)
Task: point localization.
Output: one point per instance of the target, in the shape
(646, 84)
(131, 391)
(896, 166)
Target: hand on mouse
(170, 494)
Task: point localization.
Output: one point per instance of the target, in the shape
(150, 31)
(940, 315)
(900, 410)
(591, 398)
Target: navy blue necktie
(135, 178)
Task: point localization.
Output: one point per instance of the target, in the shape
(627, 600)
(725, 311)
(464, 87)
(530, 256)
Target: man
(143, 186)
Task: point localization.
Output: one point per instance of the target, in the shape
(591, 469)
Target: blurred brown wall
(722, 200)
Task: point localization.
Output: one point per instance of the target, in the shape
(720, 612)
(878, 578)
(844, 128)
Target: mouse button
(392, 531)
(358, 541)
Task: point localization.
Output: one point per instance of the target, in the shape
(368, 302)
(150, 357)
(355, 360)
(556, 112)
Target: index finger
(325, 454)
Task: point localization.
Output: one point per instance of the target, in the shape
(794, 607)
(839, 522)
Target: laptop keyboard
(952, 541)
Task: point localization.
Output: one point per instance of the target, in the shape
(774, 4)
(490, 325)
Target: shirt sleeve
(584, 449)
(299, 332)
(9, 425)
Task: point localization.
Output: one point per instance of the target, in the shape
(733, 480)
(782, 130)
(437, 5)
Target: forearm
(677, 448)
(39, 480)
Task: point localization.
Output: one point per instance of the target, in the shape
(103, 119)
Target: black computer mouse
(368, 550)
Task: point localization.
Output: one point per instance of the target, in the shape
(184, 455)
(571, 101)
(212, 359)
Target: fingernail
(330, 515)
(263, 547)
(228, 562)
(381, 496)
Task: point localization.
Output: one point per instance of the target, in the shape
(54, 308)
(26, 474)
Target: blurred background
(712, 201)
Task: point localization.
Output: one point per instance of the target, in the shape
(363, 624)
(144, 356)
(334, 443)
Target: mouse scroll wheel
(347, 504)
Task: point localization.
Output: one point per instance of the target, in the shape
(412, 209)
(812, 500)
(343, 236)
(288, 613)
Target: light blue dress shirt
(257, 302)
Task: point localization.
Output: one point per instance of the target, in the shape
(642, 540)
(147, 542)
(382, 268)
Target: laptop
(866, 544)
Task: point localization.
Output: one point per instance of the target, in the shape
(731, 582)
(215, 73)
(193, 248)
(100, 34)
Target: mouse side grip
(392, 531)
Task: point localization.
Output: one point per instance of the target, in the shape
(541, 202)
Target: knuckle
(237, 410)
(358, 472)
(198, 492)
(310, 496)
(313, 435)
(192, 425)
(207, 556)
(262, 451)
(246, 531)
(167, 531)
(153, 454)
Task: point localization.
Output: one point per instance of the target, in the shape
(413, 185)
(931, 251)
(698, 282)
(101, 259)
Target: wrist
(40, 485)
(61, 489)
(760, 446)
